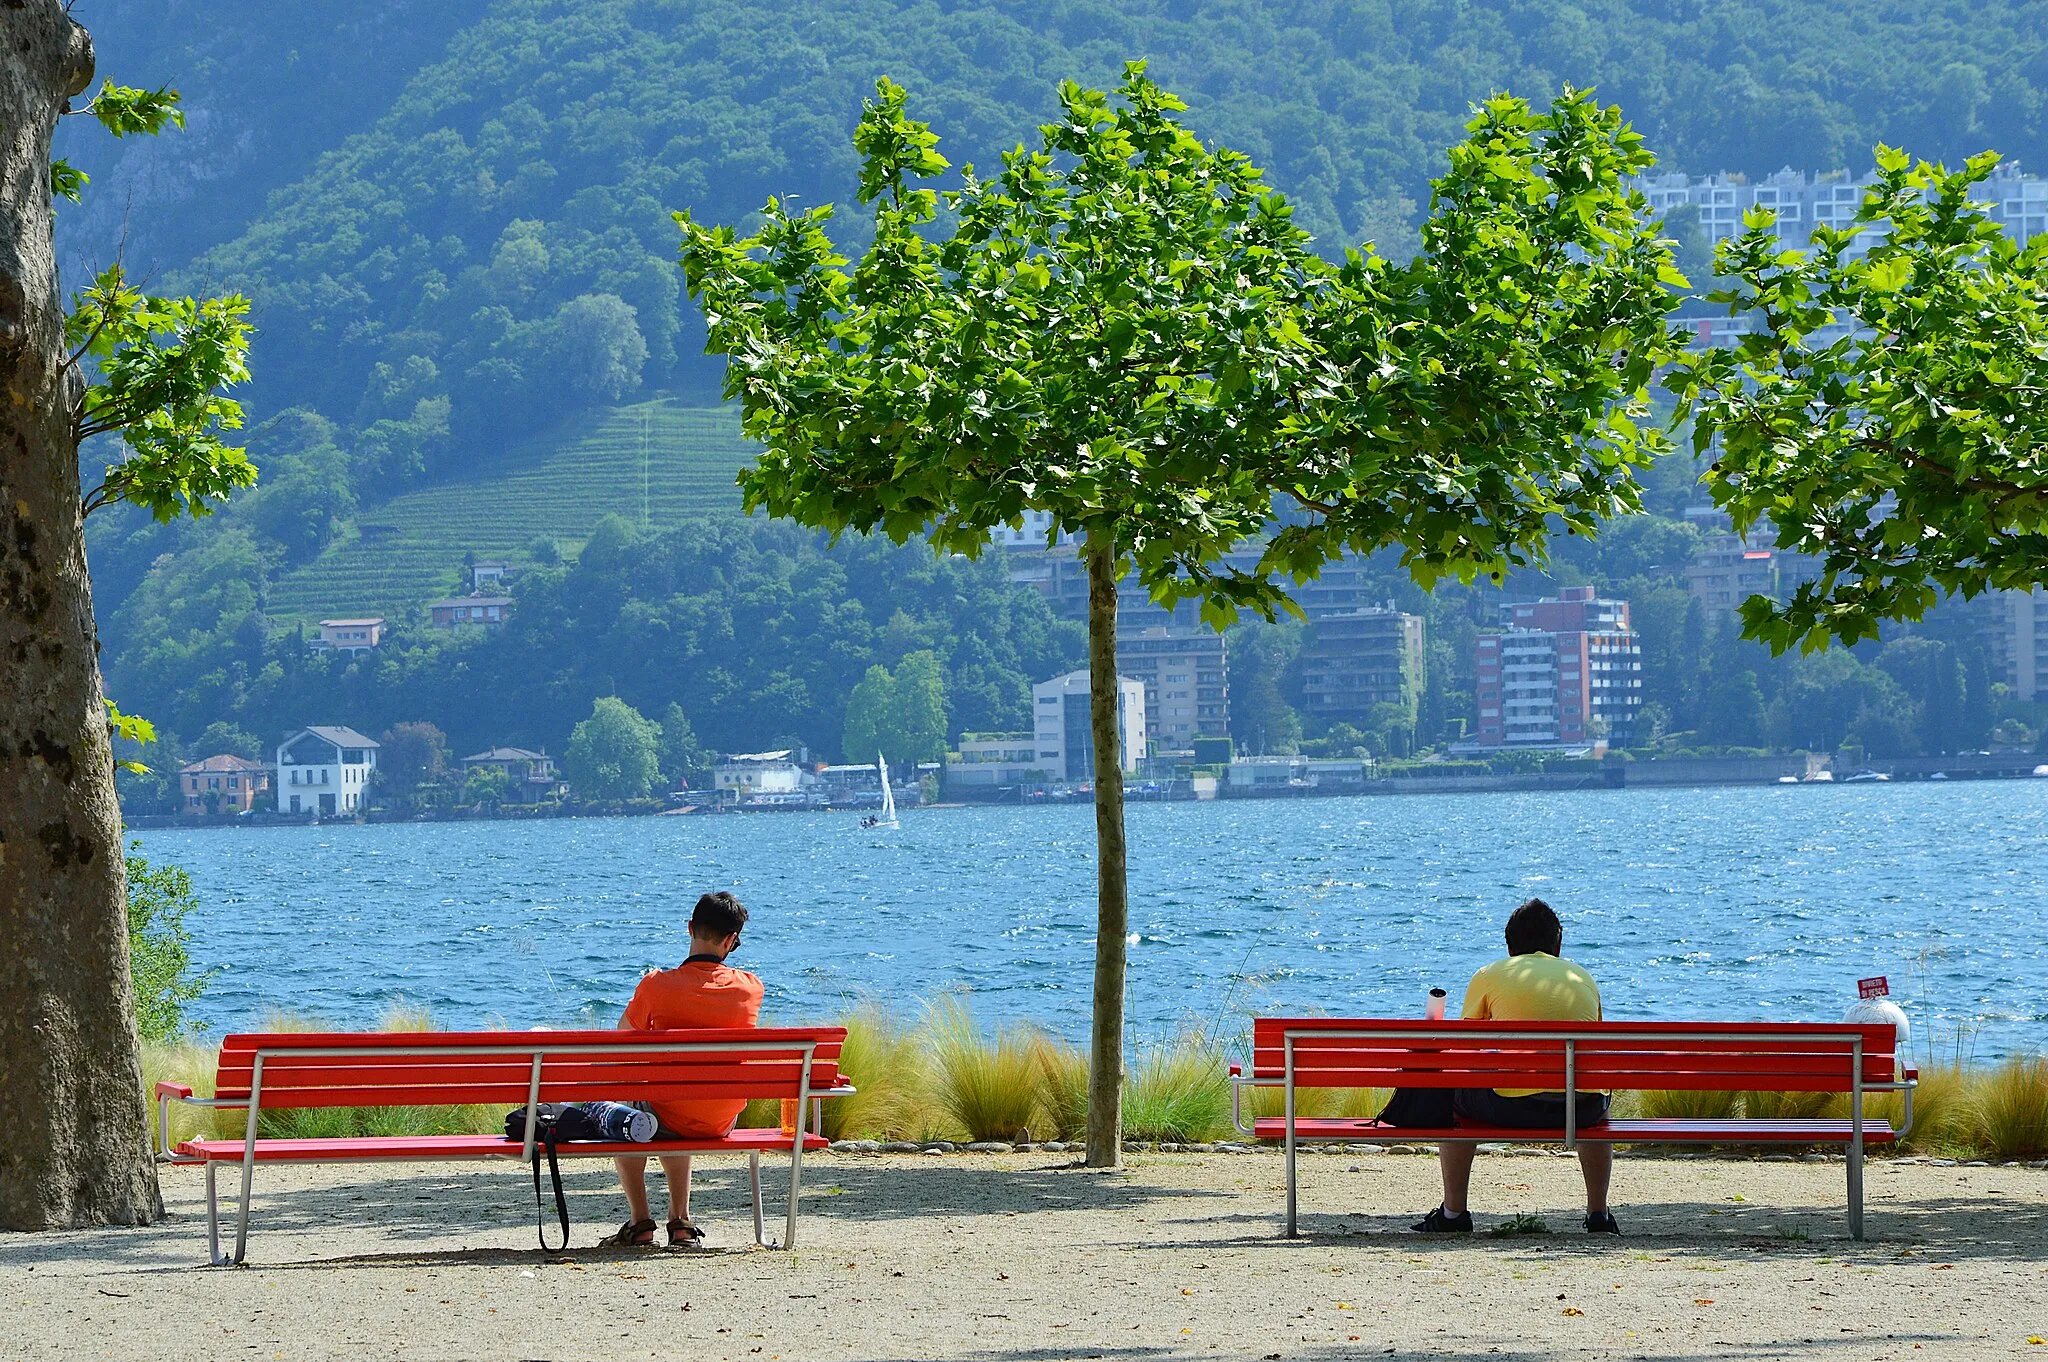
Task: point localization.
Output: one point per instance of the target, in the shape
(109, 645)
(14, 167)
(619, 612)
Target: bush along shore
(945, 1082)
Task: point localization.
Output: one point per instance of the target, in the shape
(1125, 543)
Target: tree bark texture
(1113, 913)
(75, 1150)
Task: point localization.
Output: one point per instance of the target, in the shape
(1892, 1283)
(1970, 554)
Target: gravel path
(1020, 1256)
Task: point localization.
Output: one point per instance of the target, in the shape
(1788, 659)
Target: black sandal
(682, 1234)
(632, 1234)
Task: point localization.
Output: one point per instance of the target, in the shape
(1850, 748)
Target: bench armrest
(1237, 1071)
(178, 1090)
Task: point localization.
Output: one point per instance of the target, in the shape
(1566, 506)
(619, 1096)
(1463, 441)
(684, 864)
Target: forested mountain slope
(454, 219)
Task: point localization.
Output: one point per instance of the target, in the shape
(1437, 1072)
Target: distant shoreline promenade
(1611, 775)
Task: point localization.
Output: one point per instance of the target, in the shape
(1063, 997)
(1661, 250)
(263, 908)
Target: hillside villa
(324, 771)
(222, 784)
(531, 775)
(350, 636)
(454, 611)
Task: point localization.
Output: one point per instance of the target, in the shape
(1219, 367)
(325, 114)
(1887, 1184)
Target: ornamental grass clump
(1178, 1092)
(883, 1060)
(2008, 1109)
(985, 1083)
(1685, 1105)
(1063, 1089)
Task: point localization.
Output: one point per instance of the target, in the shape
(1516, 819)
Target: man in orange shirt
(703, 991)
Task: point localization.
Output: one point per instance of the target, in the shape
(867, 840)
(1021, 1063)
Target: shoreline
(1647, 776)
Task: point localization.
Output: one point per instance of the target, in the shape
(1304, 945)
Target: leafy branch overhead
(1886, 416)
(1126, 331)
(156, 369)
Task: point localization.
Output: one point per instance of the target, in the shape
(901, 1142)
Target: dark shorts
(1542, 1112)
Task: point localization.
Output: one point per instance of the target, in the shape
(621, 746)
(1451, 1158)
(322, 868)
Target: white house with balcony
(745, 776)
(325, 771)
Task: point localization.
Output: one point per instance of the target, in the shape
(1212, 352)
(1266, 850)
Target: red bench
(1323, 1052)
(300, 1070)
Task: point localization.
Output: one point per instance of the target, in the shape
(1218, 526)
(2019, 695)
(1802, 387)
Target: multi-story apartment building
(1803, 201)
(1185, 673)
(1064, 735)
(2020, 643)
(1566, 671)
(1358, 659)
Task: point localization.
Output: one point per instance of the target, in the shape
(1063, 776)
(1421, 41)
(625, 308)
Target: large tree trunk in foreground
(74, 1150)
(1113, 913)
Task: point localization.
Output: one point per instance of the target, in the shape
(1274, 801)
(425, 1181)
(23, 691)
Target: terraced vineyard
(654, 463)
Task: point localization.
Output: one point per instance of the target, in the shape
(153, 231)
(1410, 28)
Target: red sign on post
(1877, 987)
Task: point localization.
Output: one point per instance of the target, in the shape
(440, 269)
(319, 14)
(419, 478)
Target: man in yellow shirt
(1534, 983)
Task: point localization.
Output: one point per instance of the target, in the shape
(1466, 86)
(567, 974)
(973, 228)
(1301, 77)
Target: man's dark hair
(1534, 927)
(718, 915)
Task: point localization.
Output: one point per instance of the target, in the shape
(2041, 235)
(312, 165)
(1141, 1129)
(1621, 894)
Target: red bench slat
(431, 1068)
(410, 1148)
(1621, 1130)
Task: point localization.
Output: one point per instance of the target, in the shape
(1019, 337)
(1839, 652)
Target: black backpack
(553, 1123)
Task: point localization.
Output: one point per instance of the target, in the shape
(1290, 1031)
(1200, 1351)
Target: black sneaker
(1601, 1222)
(1436, 1222)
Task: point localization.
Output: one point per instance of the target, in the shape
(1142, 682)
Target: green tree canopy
(1886, 415)
(614, 754)
(1125, 331)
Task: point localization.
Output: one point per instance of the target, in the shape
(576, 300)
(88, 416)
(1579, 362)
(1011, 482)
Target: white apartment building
(325, 771)
(1064, 738)
(1805, 200)
(2023, 621)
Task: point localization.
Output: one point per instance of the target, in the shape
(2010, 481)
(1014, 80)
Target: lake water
(1732, 903)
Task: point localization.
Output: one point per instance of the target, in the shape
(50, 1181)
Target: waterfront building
(996, 761)
(1265, 777)
(746, 775)
(1185, 674)
(222, 784)
(531, 776)
(353, 637)
(1063, 737)
(1567, 670)
(324, 770)
(1358, 659)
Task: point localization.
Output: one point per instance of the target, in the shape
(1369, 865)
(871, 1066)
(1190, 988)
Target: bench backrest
(1367, 1052)
(446, 1068)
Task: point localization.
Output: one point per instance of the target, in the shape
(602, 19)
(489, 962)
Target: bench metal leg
(1856, 1189)
(754, 1176)
(1292, 1232)
(213, 1257)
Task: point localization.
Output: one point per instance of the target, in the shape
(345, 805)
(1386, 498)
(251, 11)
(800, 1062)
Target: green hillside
(653, 463)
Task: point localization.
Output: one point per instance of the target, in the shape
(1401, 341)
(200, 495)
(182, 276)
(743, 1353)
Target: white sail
(888, 819)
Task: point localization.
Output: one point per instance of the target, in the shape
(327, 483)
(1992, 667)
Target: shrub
(2008, 1111)
(988, 1085)
(159, 948)
(1941, 1109)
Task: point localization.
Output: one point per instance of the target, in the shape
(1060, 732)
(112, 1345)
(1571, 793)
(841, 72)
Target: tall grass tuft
(1941, 1110)
(2009, 1109)
(1787, 1106)
(883, 1060)
(1178, 1092)
(1681, 1104)
(987, 1084)
(1063, 1089)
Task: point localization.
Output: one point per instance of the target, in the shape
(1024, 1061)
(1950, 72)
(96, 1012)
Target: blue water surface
(1732, 903)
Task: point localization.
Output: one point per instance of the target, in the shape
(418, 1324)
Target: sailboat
(887, 819)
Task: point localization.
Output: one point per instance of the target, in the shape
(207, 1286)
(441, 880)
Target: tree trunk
(75, 1150)
(1113, 913)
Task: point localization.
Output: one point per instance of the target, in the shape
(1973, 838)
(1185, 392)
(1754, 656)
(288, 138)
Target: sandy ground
(1022, 1256)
